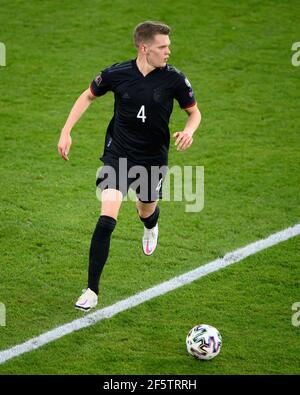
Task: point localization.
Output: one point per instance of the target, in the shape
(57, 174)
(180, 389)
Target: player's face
(158, 50)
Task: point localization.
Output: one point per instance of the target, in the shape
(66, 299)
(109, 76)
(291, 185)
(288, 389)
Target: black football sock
(99, 250)
(151, 221)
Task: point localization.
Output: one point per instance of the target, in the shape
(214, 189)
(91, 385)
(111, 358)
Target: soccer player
(138, 135)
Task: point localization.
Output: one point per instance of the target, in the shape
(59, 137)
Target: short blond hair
(145, 31)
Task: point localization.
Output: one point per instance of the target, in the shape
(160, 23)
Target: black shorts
(122, 174)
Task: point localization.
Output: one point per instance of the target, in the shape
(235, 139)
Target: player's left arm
(184, 139)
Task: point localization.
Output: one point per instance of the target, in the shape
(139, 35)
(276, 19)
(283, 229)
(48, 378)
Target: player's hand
(64, 145)
(183, 140)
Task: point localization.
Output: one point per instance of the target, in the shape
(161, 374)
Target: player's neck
(144, 67)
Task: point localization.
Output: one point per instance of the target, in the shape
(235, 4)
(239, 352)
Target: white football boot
(87, 300)
(149, 240)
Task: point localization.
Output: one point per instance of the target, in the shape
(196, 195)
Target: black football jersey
(139, 128)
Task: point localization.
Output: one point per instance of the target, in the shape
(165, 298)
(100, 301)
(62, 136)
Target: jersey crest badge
(157, 92)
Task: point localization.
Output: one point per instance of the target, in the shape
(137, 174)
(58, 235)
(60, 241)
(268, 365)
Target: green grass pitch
(237, 56)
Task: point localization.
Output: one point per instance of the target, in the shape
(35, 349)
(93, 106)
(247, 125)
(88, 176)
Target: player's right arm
(81, 105)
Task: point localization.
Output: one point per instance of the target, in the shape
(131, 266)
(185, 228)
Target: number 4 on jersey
(141, 113)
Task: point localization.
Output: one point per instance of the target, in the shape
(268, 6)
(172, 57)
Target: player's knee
(111, 203)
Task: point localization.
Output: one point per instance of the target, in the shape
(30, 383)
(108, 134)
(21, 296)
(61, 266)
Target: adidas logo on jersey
(125, 96)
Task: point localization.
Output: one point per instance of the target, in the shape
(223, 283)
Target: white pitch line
(141, 297)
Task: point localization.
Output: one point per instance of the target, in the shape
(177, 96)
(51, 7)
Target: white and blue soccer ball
(204, 342)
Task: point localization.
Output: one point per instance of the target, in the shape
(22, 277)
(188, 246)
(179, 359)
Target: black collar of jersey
(155, 71)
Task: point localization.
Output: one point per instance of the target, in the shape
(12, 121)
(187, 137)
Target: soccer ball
(204, 342)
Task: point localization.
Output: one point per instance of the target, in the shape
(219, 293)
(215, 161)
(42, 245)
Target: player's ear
(142, 48)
